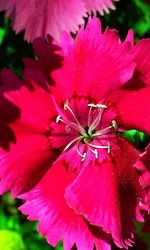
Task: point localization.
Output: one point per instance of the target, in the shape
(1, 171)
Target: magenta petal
(109, 187)
(57, 221)
(31, 101)
(130, 36)
(25, 112)
(142, 55)
(87, 61)
(25, 163)
(132, 107)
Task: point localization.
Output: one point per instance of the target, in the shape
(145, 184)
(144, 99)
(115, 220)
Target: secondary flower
(144, 168)
(68, 159)
(38, 18)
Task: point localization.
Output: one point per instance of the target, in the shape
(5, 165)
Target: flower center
(93, 135)
(86, 136)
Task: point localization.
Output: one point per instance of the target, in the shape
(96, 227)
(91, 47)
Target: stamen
(106, 130)
(99, 146)
(59, 119)
(73, 141)
(91, 115)
(87, 134)
(95, 146)
(66, 106)
(83, 157)
(114, 124)
(95, 152)
(98, 118)
(97, 105)
(108, 150)
(95, 122)
(78, 151)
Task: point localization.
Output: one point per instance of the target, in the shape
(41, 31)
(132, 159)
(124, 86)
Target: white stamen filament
(72, 125)
(95, 152)
(96, 122)
(73, 141)
(106, 130)
(99, 146)
(66, 106)
(78, 151)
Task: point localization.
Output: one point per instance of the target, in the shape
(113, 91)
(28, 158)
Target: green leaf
(2, 34)
(10, 240)
(59, 246)
(138, 138)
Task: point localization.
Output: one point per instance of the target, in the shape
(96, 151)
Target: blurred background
(16, 233)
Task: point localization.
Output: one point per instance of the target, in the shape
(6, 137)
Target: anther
(108, 149)
(82, 155)
(95, 152)
(97, 105)
(58, 118)
(66, 104)
(114, 124)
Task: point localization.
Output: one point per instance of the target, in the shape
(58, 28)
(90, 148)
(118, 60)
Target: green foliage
(139, 139)
(133, 14)
(10, 240)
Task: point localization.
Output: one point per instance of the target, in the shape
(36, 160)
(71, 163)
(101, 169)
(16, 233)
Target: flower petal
(25, 163)
(55, 16)
(33, 103)
(109, 187)
(96, 63)
(26, 153)
(48, 59)
(132, 104)
(57, 221)
(144, 168)
(100, 6)
(40, 18)
(132, 108)
(142, 55)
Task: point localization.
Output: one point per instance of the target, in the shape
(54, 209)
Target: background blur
(16, 233)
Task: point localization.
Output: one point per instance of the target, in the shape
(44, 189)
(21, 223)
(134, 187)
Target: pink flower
(64, 154)
(38, 18)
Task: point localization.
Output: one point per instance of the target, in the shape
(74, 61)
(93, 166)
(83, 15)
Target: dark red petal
(48, 58)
